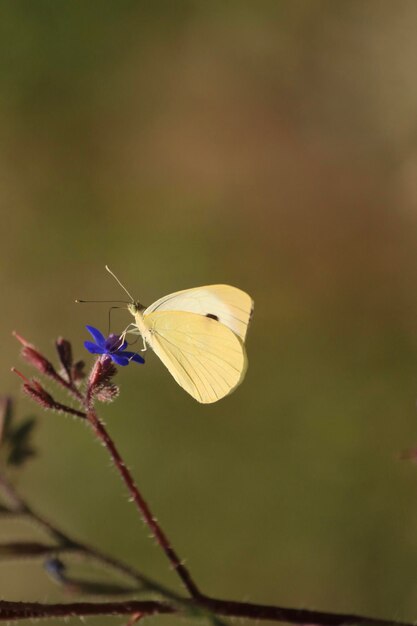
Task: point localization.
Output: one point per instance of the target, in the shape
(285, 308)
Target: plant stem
(152, 523)
(10, 611)
(21, 507)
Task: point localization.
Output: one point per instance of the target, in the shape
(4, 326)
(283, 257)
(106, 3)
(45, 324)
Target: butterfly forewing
(228, 305)
(204, 356)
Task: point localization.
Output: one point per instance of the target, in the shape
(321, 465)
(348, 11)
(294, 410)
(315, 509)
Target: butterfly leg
(131, 328)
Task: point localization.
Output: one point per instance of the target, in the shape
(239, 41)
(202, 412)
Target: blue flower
(112, 347)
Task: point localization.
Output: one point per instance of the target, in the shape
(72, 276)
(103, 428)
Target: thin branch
(27, 549)
(21, 507)
(68, 543)
(10, 611)
(150, 520)
(18, 505)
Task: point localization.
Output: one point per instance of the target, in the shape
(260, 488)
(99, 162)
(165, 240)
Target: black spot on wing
(212, 316)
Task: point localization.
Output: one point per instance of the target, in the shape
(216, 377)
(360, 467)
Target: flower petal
(138, 359)
(97, 336)
(93, 348)
(132, 356)
(120, 360)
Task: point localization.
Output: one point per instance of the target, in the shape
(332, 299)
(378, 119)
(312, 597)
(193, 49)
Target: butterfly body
(199, 336)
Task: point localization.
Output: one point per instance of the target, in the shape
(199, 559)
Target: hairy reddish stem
(21, 507)
(150, 520)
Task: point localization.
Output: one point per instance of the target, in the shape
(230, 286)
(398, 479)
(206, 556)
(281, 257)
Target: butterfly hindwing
(203, 355)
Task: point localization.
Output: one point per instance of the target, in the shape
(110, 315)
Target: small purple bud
(34, 390)
(77, 371)
(64, 350)
(99, 383)
(55, 568)
(36, 359)
(102, 372)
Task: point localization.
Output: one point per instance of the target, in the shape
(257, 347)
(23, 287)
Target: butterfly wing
(204, 356)
(223, 303)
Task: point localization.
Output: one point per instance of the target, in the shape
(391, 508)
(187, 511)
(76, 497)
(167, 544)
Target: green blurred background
(271, 145)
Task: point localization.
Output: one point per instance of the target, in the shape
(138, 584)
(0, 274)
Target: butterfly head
(135, 307)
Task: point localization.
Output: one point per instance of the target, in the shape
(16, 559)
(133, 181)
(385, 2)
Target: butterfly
(199, 335)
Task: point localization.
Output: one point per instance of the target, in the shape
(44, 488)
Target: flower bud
(102, 372)
(99, 382)
(55, 568)
(77, 371)
(107, 393)
(39, 394)
(64, 350)
(36, 359)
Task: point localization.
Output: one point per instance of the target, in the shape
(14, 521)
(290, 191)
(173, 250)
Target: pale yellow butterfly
(199, 336)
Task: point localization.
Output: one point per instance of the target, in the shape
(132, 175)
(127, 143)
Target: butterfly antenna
(122, 286)
(78, 301)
